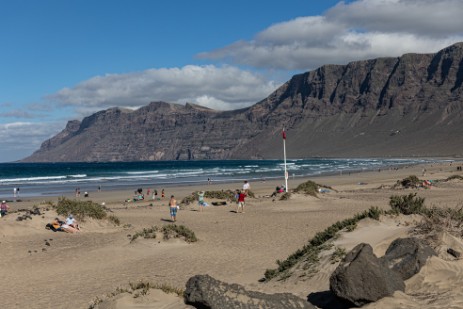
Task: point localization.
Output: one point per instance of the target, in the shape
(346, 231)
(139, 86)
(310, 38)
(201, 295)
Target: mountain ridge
(408, 106)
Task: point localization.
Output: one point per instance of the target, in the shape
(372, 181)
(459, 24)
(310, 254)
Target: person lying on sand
(69, 229)
(55, 225)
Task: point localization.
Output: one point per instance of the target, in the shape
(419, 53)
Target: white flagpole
(284, 154)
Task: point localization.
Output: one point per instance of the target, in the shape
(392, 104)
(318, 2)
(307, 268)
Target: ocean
(55, 179)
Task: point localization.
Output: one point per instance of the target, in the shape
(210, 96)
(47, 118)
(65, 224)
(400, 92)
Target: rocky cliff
(406, 106)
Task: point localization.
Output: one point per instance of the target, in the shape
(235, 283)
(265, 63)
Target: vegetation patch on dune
(309, 253)
(137, 289)
(434, 219)
(411, 181)
(167, 231)
(227, 195)
(83, 209)
(454, 177)
(407, 204)
(310, 188)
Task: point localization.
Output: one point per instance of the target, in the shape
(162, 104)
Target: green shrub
(187, 200)
(351, 228)
(407, 204)
(114, 219)
(458, 177)
(285, 196)
(309, 187)
(173, 230)
(338, 254)
(410, 182)
(80, 209)
(374, 213)
(220, 195)
(146, 233)
(168, 231)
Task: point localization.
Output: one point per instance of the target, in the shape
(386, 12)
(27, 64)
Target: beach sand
(43, 269)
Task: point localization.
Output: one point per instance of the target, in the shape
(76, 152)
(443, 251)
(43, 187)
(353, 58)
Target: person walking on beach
(201, 200)
(241, 197)
(14, 192)
(173, 208)
(155, 196)
(17, 191)
(246, 187)
(162, 193)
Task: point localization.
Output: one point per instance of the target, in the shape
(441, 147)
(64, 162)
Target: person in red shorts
(241, 197)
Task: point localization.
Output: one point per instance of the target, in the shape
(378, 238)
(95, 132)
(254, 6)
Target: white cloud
(27, 136)
(224, 87)
(426, 18)
(351, 31)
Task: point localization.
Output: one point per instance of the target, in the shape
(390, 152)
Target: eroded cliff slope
(405, 106)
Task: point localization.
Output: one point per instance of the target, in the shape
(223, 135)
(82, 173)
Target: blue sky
(62, 60)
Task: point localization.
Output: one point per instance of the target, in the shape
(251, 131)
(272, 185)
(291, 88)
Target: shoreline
(259, 186)
(252, 173)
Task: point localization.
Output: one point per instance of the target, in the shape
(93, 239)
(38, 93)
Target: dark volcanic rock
(205, 292)
(406, 256)
(362, 278)
(406, 106)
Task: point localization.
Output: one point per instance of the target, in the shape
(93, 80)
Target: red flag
(284, 134)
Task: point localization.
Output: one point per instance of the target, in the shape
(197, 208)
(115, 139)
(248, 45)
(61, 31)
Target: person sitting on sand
(173, 208)
(55, 225)
(201, 200)
(4, 208)
(71, 221)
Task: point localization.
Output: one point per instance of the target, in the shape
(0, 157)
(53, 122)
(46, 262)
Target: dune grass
(310, 252)
(80, 209)
(310, 188)
(168, 231)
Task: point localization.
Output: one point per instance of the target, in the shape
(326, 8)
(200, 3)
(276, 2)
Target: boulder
(205, 292)
(362, 278)
(406, 256)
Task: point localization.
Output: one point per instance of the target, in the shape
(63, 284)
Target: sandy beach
(43, 269)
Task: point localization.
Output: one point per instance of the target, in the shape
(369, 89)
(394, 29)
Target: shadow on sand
(327, 300)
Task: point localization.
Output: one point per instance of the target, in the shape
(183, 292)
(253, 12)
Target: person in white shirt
(246, 187)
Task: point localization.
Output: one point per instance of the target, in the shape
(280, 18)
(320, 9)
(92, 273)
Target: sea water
(54, 179)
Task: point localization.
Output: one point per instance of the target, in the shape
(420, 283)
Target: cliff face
(406, 106)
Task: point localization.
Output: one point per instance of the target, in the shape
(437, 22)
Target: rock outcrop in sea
(404, 106)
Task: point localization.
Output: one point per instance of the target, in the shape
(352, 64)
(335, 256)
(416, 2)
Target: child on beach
(241, 202)
(3, 208)
(173, 208)
(201, 200)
